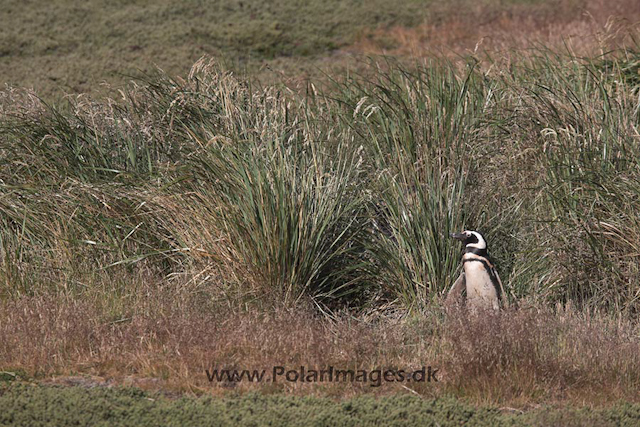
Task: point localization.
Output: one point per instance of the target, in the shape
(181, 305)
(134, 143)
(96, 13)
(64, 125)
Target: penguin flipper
(503, 295)
(455, 293)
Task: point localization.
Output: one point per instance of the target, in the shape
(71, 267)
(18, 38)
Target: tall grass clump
(254, 182)
(417, 127)
(284, 191)
(270, 193)
(578, 130)
(72, 194)
(347, 195)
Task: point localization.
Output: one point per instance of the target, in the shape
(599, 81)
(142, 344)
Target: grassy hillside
(208, 195)
(75, 46)
(208, 220)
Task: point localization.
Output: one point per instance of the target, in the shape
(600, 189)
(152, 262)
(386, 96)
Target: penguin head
(471, 239)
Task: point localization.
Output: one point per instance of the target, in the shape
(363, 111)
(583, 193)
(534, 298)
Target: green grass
(52, 406)
(73, 47)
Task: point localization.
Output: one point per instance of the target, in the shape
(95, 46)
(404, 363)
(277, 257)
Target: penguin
(478, 277)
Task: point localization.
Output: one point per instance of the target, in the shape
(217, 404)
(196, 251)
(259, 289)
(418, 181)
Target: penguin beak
(458, 236)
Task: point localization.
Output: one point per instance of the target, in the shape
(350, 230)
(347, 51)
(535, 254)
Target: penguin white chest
(480, 289)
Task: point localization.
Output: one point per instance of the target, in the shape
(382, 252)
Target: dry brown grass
(533, 353)
(168, 338)
(584, 26)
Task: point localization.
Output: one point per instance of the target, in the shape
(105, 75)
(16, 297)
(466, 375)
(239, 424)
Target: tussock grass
(345, 198)
(284, 191)
(415, 126)
(577, 144)
(191, 198)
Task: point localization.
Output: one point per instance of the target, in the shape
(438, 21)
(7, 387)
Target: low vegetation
(66, 47)
(168, 342)
(130, 407)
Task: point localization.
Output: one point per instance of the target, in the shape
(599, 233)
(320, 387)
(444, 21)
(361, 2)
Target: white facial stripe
(481, 243)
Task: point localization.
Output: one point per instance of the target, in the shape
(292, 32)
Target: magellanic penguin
(479, 277)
